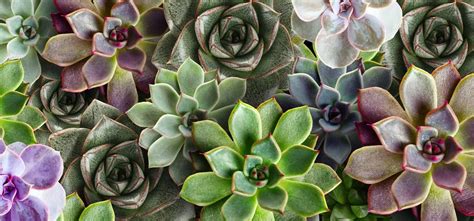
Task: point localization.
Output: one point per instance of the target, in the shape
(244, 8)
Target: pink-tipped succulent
(29, 178)
(426, 152)
(110, 44)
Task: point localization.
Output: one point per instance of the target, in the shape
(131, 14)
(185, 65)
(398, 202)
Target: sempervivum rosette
(29, 178)
(110, 45)
(433, 33)
(425, 157)
(341, 29)
(238, 38)
(105, 162)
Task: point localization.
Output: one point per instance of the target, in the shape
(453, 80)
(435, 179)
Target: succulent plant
(255, 174)
(426, 147)
(179, 99)
(433, 33)
(238, 38)
(62, 109)
(25, 26)
(104, 162)
(110, 44)
(341, 29)
(76, 210)
(333, 104)
(17, 121)
(29, 176)
(348, 201)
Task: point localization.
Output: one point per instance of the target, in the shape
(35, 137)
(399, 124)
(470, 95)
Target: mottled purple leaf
(72, 79)
(22, 188)
(411, 189)
(446, 78)
(438, 206)
(376, 104)
(101, 46)
(44, 166)
(11, 163)
(121, 90)
(132, 59)
(29, 209)
(127, 11)
(99, 70)
(395, 133)
(450, 176)
(444, 119)
(380, 198)
(85, 23)
(414, 161)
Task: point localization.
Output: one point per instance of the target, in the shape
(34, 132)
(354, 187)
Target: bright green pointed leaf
(144, 114)
(168, 125)
(190, 76)
(224, 161)
(251, 162)
(311, 141)
(293, 127)
(268, 149)
(204, 189)
(164, 97)
(298, 153)
(163, 152)
(273, 199)
(31, 116)
(167, 77)
(270, 111)
(209, 135)
(239, 208)
(98, 211)
(263, 215)
(74, 207)
(186, 104)
(11, 76)
(213, 212)
(322, 176)
(304, 199)
(207, 95)
(12, 103)
(360, 211)
(245, 126)
(241, 185)
(15, 131)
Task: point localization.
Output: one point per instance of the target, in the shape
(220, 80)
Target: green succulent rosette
(17, 121)
(25, 26)
(433, 33)
(103, 161)
(265, 168)
(238, 38)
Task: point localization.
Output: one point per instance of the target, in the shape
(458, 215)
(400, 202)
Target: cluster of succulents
(209, 110)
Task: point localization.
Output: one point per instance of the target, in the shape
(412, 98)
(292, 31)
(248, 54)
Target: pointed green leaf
(273, 199)
(12, 103)
(144, 114)
(207, 95)
(74, 207)
(242, 186)
(304, 199)
(239, 208)
(186, 104)
(298, 153)
(230, 91)
(224, 161)
(98, 211)
(190, 76)
(164, 97)
(168, 125)
(322, 176)
(15, 131)
(163, 152)
(270, 111)
(209, 135)
(204, 189)
(245, 126)
(293, 127)
(11, 76)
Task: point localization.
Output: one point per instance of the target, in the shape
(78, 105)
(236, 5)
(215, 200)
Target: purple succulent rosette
(426, 152)
(110, 44)
(29, 176)
(341, 29)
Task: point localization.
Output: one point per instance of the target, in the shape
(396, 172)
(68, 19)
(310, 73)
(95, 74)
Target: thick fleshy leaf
(101, 210)
(366, 33)
(132, 59)
(332, 23)
(144, 114)
(74, 206)
(327, 96)
(349, 85)
(268, 149)
(383, 164)
(16, 49)
(308, 10)
(96, 111)
(270, 112)
(12, 103)
(463, 107)
(152, 23)
(411, 189)
(164, 97)
(298, 153)
(121, 90)
(304, 199)
(11, 163)
(336, 50)
(127, 11)
(85, 23)
(465, 135)
(242, 186)
(418, 94)
(186, 104)
(190, 76)
(168, 125)
(446, 78)
(54, 198)
(376, 104)
(380, 198)
(99, 70)
(443, 119)
(239, 207)
(463, 201)
(395, 133)
(414, 161)
(44, 166)
(11, 76)
(303, 88)
(163, 152)
(224, 161)
(207, 95)
(450, 176)
(101, 46)
(14, 131)
(273, 199)
(204, 189)
(209, 135)
(245, 126)
(377, 77)
(230, 91)
(322, 176)
(32, 66)
(58, 49)
(31, 208)
(293, 127)
(337, 146)
(307, 30)
(438, 205)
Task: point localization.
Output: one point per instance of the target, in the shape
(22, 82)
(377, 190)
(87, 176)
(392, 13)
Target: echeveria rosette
(331, 95)
(433, 33)
(341, 29)
(29, 177)
(110, 45)
(62, 109)
(17, 121)
(254, 174)
(179, 99)
(25, 26)
(238, 38)
(426, 147)
(105, 162)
